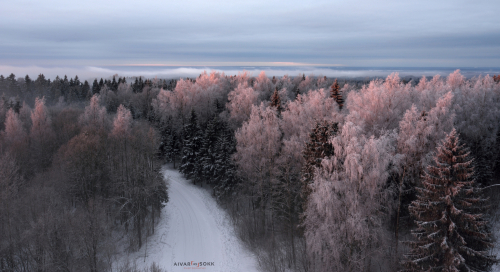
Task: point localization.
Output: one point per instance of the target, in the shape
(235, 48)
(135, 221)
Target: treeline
(75, 181)
(15, 91)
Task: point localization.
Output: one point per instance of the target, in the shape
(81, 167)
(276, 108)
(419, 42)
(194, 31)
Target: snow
(192, 229)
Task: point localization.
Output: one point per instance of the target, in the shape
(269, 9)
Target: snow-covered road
(193, 229)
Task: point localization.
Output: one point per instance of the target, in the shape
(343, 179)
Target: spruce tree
(276, 101)
(335, 94)
(496, 78)
(225, 178)
(317, 148)
(114, 84)
(95, 87)
(207, 152)
(451, 233)
(191, 149)
(85, 90)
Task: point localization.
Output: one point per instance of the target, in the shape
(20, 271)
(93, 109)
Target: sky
(58, 36)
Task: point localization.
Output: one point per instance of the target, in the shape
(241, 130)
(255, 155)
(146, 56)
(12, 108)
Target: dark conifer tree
(2, 83)
(28, 82)
(135, 86)
(190, 150)
(276, 101)
(101, 84)
(208, 150)
(317, 148)
(169, 144)
(65, 86)
(114, 84)
(85, 90)
(225, 178)
(12, 85)
(335, 94)
(140, 86)
(77, 81)
(95, 87)
(451, 233)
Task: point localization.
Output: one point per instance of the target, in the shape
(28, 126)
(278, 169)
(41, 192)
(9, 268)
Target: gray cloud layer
(353, 33)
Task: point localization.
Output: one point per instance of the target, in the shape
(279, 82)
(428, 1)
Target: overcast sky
(62, 33)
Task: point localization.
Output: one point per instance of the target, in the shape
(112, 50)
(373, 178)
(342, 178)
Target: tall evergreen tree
(276, 101)
(225, 177)
(190, 151)
(135, 86)
(114, 84)
(335, 94)
(95, 87)
(84, 93)
(451, 233)
(28, 82)
(208, 151)
(2, 83)
(317, 148)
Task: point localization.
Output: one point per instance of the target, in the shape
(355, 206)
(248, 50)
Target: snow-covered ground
(192, 229)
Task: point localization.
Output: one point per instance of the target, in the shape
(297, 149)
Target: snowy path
(194, 229)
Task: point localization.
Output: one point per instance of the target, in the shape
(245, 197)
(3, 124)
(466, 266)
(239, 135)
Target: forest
(316, 173)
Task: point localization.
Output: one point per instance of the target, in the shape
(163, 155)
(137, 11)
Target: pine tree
(451, 233)
(335, 94)
(190, 151)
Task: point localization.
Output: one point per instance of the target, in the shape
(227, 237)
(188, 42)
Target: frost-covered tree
(240, 103)
(257, 154)
(307, 84)
(14, 135)
(301, 115)
(477, 108)
(263, 86)
(95, 117)
(344, 218)
(41, 135)
(188, 95)
(452, 233)
(122, 125)
(379, 106)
